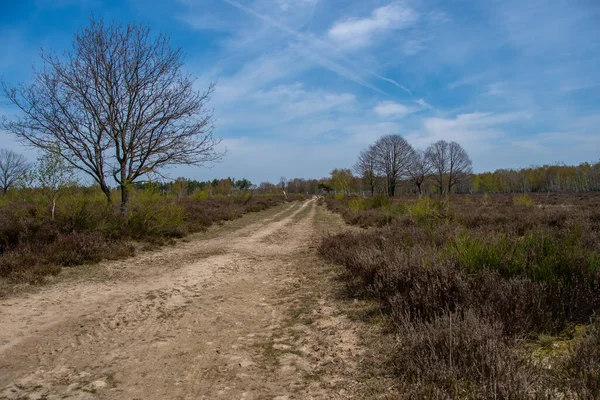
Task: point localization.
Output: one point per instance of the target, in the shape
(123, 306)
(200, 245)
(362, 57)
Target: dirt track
(236, 316)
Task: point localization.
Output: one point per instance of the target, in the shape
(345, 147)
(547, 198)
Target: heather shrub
(76, 249)
(414, 286)
(467, 284)
(85, 248)
(461, 355)
(581, 369)
(17, 221)
(257, 205)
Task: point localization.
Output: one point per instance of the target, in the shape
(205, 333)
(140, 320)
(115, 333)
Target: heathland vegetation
(489, 296)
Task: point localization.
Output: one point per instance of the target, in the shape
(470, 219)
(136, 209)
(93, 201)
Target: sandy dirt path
(236, 316)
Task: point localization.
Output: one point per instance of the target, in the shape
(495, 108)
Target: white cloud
(293, 101)
(389, 109)
(361, 32)
(317, 51)
(423, 103)
(366, 134)
(279, 105)
(477, 132)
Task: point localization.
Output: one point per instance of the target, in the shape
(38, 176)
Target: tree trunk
(106, 190)
(391, 187)
(53, 208)
(125, 192)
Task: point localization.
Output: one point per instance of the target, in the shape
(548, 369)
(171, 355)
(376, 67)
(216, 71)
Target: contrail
(393, 82)
(328, 64)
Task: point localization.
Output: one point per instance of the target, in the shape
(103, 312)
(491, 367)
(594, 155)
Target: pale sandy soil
(243, 313)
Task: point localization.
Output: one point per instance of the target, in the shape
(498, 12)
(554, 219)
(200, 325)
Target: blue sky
(304, 85)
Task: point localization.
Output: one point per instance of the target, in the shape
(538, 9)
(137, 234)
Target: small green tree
(341, 180)
(54, 176)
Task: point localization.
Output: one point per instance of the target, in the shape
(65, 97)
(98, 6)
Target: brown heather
(469, 285)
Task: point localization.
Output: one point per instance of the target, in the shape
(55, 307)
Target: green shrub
(425, 209)
(200, 195)
(523, 200)
(378, 201)
(151, 215)
(539, 255)
(357, 204)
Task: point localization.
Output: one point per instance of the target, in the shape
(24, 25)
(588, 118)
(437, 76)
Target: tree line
(547, 178)
(391, 166)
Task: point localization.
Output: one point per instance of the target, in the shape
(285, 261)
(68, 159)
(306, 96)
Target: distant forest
(548, 178)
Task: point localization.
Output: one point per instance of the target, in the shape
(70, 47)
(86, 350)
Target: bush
(357, 204)
(426, 209)
(379, 201)
(152, 215)
(460, 355)
(523, 200)
(581, 369)
(77, 249)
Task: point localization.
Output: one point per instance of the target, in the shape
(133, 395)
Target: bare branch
(450, 164)
(393, 156)
(118, 105)
(13, 167)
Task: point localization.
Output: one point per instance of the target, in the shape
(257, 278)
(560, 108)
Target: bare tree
(450, 164)
(393, 155)
(365, 168)
(419, 170)
(13, 167)
(118, 105)
(461, 166)
(437, 156)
